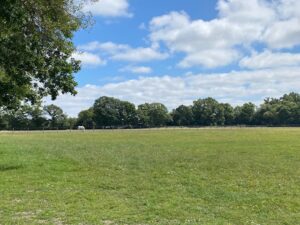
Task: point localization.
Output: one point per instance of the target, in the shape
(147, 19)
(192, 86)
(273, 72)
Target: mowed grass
(176, 177)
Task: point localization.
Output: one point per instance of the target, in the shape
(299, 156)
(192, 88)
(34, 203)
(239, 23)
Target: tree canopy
(183, 116)
(113, 112)
(108, 112)
(153, 115)
(36, 48)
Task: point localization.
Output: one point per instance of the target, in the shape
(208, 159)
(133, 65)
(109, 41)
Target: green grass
(160, 177)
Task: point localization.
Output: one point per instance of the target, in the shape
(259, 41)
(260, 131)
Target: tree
(4, 119)
(183, 116)
(291, 97)
(25, 117)
(153, 115)
(128, 114)
(245, 114)
(282, 111)
(36, 115)
(70, 123)
(113, 112)
(207, 112)
(267, 112)
(289, 109)
(19, 119)
(86, 119)
(36, 48)
(106, 111)
(57, 117)
(144, 115)
(228, 113)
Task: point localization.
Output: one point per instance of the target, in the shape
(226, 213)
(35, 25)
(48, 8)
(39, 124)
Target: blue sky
(176, 51)
(131, 31)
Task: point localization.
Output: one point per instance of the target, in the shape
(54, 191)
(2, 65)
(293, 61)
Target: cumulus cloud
(136, 69)
(217, 42)
(268, 59)
(122, 52)
(88, 59)
(223, 40)
(139, 55)
(210, 58)
(283, 34)
(108, 8)
(228, 39)
(233, 87)
(288, 8)
(108, 47)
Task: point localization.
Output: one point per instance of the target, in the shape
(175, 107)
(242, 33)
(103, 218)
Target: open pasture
(160, 177)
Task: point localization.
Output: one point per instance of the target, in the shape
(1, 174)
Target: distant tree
(267, 112)
(282, 111)
(291, 97)
(4, 119)
(144, 115)
(113, 112)
(207, 112)
(106, 111)
(289, 109)
(19, 119)
(245, 114)
(57, 117)
(153, 115)
(36, 116)
(70, 123)
(228, 113)
(128, 114)
(86, 119)
(183, 116)
(25, 117)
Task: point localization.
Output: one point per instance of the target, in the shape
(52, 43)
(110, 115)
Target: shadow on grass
(4, 168)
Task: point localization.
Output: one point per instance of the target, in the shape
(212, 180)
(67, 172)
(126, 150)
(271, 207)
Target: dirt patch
(24, 216)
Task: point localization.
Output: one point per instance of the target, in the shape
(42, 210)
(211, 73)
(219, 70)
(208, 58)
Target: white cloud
(204, 43)
(239, 24)
(227, 39)
(283, 34)
(288, 9)
(259, 12)
(108, 47)
(139, 55)
(267, 59)
(108, 8)
(285, 30)
(214, 43)
(234, 87)
(136, 69)
(88, 59)
(124, 52)
(210, 58)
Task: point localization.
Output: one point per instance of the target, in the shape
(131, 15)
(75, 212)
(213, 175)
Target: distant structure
(80, 128)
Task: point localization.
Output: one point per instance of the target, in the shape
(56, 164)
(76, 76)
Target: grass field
(176, 177)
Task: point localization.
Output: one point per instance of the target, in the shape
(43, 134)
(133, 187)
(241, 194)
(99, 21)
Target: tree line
(108, 112)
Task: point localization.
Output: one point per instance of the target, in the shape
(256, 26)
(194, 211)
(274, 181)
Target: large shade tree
(36, 48)
(207, 112)
(183, 116)
(57, 118)
(245, 114)
(113, 112)
(153, 115)
(86, 118)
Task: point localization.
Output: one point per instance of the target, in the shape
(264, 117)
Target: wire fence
(141, 129)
